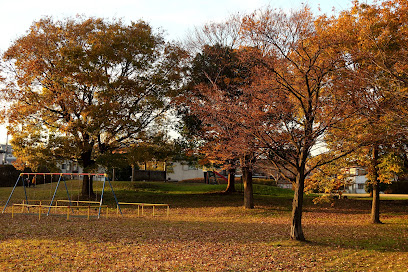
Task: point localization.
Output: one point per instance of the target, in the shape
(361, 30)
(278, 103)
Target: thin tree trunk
(248, 191)
(165, 171)
(296, 231)
(375, 207)
(133, 173)
(231, 181)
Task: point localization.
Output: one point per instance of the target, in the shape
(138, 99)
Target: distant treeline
(8, 175)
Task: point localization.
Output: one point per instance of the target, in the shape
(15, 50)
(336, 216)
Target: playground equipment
(67, 208)
(143, 205)
(211, 177)
(221, 176)
(61, 176)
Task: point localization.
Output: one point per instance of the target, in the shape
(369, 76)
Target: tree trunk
(375, 207)
(133, 173)
(296, 232)
(87, 187)
(231, 181)
(206, 179)
(248, 191)
(165, 170)
(87, 182)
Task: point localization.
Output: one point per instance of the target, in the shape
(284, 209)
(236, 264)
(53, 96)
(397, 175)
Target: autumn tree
(298, 95)
(377, 49)
(331, 179)
(82, 87)
(371, 135)
(217, 77)
(335, 178)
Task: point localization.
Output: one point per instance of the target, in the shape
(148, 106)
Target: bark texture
(375, 207)
(296, 231)
(231, 181)
(248, 190)
(87, 187)
(87, 181)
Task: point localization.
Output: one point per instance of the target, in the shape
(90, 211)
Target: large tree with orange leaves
(292, 94)
(378, 49)
(300, 92)
(83, 87)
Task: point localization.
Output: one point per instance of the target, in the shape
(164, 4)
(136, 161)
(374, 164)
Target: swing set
(61, 178)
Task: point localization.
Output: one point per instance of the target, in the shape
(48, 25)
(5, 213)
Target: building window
(360, 186)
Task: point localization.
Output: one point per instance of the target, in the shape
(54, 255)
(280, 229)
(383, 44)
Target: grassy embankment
(206, 231)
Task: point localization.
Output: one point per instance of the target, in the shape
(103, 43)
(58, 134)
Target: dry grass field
(207, 231)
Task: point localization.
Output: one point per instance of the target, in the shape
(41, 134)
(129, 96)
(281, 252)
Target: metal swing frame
(62, 178)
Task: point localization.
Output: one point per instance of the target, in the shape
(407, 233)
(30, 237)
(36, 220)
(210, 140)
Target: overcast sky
(175, 17)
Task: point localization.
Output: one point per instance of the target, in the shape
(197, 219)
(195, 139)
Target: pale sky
(176, 17)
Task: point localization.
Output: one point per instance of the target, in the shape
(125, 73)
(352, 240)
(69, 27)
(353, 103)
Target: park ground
(205, 231)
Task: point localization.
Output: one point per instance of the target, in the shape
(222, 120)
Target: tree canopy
(86, 86)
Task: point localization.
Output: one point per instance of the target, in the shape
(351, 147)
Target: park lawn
(207, 231)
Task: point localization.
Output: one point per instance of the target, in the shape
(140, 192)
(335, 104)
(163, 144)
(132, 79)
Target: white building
(181, 171)
(357, 180)
(284, 184)
(6, 154)
(69, 166)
